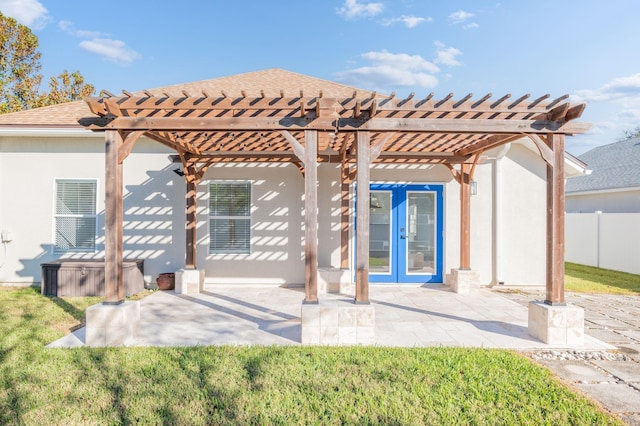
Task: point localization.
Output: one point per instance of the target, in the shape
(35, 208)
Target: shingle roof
(271, 81)
(616, 165)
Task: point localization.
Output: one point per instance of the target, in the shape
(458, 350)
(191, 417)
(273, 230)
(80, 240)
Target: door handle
(404, 237)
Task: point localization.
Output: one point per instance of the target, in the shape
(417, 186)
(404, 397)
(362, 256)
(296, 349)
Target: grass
(589, 279)
(262, 385)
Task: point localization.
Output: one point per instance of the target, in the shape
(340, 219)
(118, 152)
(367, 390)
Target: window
(230, 217)
(75, 214)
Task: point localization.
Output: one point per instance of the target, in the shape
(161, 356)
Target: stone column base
(556, 325)
(463, 281)
(338, 322)
(333, 280)
(112, 325)
(189, 281)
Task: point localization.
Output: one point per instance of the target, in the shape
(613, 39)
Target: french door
(405, 233)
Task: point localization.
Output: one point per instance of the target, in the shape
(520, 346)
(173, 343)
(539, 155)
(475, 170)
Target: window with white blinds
(230, 217)
(75, 215)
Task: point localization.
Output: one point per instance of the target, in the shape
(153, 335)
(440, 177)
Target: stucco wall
(524, 217)
(606, 202)
(277, 224)
(155, 201)
(152, 192)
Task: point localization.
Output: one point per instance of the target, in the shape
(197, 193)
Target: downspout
(497, 215)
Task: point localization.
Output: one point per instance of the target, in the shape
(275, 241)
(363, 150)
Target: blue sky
(588, 49)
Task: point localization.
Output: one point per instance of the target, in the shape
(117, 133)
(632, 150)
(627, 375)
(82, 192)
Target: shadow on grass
(77, 314)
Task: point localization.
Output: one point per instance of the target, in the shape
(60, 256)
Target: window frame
(211, 217)
(56, 216)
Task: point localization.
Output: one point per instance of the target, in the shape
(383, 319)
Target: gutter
(604, 190)
(574, 163)
(46, 131)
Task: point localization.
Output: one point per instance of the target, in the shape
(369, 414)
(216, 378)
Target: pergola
(354, 131)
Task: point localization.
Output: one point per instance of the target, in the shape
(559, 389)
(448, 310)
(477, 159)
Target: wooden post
(114, 284)
(465, 216)
(311, 216)
(555, 223)
(362, 227)
(345, 219)
(190, 174)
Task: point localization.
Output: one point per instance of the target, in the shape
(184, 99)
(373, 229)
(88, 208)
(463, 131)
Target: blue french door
(405, 233)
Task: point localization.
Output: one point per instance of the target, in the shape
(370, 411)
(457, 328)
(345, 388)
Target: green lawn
(589, 279)
(262, 385)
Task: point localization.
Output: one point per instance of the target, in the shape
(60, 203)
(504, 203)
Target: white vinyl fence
(605, 240)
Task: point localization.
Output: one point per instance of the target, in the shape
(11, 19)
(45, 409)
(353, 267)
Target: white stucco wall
(154, 207)
(277, 224)
(524, 214)
(29, 169)
(616, 201)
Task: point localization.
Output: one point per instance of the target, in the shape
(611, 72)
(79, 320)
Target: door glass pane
(380, 232)
(421, 235)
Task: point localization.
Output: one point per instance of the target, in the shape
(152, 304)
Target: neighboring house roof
(270, 81)
(613, 166)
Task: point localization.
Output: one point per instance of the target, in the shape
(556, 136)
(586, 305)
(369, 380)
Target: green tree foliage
(66, 88)
(631, 134)
(20, 76)
(19, 66)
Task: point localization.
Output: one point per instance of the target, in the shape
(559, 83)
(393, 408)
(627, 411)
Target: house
(273, 177)
(613, 186)
(603, 209)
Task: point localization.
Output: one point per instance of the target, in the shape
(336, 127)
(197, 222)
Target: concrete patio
(405, 315)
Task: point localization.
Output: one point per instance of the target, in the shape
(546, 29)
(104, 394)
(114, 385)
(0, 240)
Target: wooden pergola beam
(113, 269)
(355, 106)
(346, 179)
(418, 125)
(465, 216)
(487, 143)
(206, 130)
(191, 177)
(362, 208)
(311, 216)
(555, 223)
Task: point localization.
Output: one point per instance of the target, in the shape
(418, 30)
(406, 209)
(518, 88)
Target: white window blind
(75, 215)
(230, 217)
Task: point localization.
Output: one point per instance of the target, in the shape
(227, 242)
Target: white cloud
(68, 27)
(112, 50)
(632, 115)
(460, 16)
(623, 90)
(353, 9)
(101, 44)
(471, 25)
(446, 55)
(392, 70)
(27, 12)
(408, 21)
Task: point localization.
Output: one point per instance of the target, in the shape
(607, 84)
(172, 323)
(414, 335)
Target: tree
(630, 134)
(66, 88)
(19, 66)
(20, 76)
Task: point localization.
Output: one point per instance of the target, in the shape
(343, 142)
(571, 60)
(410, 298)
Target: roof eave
(575, 167)
(604, 190)
(46, 131)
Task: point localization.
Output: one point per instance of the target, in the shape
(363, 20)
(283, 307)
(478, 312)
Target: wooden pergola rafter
(307, 129)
